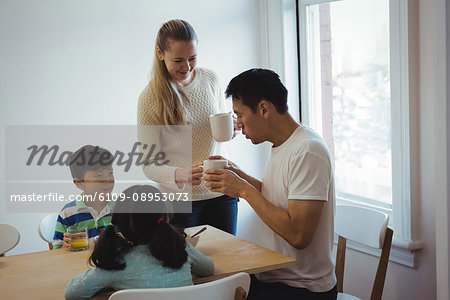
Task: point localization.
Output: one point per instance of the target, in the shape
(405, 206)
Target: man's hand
(231, 165)
(226, 182)
(234, 167)
(190, 175)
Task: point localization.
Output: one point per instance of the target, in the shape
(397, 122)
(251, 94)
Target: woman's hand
(190, 175)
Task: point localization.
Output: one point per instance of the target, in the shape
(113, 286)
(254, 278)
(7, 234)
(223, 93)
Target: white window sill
(402, 252)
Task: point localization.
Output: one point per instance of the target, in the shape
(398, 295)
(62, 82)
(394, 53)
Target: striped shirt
(76, 214)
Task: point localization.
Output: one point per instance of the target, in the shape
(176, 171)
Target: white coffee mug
(214, 164)
(222, 127)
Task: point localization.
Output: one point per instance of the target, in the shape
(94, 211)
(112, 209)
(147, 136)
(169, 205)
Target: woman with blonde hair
(180, 93)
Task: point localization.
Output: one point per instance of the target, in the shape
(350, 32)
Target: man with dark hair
(294, 200)
(92, 173)
(255, 84)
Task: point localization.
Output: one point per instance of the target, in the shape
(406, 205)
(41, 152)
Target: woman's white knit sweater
(205, 98)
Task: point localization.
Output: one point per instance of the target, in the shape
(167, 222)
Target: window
(354, 91)
(349, 94)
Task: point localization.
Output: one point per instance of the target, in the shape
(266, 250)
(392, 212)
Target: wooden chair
(234, 287)
(46, 229)
(9, 238)
(368, 227)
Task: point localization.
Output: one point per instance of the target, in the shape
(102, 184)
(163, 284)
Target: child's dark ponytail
(139, 227)
(109, 250)
(168, 244)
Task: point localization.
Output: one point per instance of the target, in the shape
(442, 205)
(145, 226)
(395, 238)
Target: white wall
(442, 70)
(83, 62)
(448, 147)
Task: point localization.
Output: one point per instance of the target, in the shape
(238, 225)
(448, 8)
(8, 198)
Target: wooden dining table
(43, 275)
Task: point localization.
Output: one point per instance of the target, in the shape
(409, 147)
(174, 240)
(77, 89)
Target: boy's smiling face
(97, 182)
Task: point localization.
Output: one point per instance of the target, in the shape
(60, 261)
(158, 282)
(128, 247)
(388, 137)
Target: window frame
(400, 215)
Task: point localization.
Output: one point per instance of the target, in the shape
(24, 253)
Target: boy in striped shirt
(92, 172)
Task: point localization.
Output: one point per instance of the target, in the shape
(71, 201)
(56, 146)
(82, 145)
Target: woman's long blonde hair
(171, 108)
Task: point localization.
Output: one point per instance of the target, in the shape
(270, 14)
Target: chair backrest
(229, 288)
(368, 227)
(9, 238)
(46, 229)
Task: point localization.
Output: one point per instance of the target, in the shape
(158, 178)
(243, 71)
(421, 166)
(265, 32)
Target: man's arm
(297, 225)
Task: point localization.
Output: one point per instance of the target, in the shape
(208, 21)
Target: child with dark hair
(139, 250)
(92, 173)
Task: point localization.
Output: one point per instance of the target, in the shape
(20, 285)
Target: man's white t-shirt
(301, 169)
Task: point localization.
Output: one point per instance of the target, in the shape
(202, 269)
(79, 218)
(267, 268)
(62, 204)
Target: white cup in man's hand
(222, 127)
(214, 164)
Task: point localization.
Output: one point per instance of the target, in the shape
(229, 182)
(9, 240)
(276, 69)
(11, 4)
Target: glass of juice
(79, 238)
